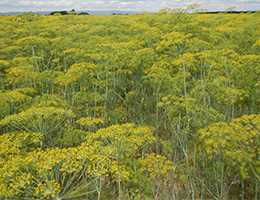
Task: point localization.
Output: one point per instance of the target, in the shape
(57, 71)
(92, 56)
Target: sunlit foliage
(149, 106)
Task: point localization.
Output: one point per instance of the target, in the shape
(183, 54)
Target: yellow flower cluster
(36, 114)
(104, 153)
(173, 41)
(14, 177)
(13, 97)
(75, 73)
(157, 166)
(125, 139)
(237, 142)
(88, 122)
(119, 171)
(18, 142)
(48, 189)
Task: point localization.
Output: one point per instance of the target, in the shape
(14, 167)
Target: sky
(136, 5)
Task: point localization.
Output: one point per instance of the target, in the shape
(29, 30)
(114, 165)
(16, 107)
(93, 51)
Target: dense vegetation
(157, 106)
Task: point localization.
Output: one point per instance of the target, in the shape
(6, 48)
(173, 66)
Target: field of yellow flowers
(159, 106)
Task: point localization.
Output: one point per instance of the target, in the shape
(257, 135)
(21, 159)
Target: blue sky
(139, 5)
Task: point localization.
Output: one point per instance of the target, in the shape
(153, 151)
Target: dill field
(162, 106)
